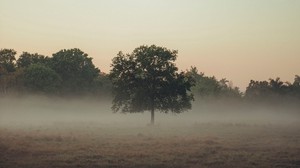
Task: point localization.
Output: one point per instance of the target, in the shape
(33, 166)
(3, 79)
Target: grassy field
(90, 145)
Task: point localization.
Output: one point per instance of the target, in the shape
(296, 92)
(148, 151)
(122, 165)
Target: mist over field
(43, 131)
(43, 110)
(149, 84)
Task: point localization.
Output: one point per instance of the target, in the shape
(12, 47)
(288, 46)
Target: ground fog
(84, 132)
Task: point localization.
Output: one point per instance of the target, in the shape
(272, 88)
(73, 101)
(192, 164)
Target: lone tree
(147, 80)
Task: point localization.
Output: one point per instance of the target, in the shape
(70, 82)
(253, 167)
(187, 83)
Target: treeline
(67, 72)
(257, 91)
(72, 72)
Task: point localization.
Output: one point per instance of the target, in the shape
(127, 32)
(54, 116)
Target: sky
(235, 39)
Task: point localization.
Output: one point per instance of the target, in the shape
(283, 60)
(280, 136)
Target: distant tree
(76, 69)
(210, 87)
(147, 79)
(204, 86)
(7, 60)
(276, 86)
(296, 87)
(227, 90)
(42, 79)
(6, 80)
(102, 86)
(257, 90)
(272, 90)
(297, 80)
(7, 69)
(26, 59)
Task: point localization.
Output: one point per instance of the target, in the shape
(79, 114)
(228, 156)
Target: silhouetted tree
(204, 86)
(102, 86)
(147, 79)
(26, 59)
(227, 90)
(76, 70)
(296, 87)
(7, 69)
(274, 90)
(257, 90)
(210, 87)
(7, 60)
(42, 79)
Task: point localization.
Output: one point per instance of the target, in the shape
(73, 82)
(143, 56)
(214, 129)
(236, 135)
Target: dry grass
(201, 145)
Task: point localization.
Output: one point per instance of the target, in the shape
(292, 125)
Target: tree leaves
(147, 79)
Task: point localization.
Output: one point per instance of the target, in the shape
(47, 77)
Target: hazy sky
(236, 39)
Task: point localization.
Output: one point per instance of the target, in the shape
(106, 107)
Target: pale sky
(235, 39)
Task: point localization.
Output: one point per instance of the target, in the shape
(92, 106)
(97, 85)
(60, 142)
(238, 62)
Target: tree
(204, 86)
(7, 59)
(7, 69)
(42, 79)
(272, 90)
(147, 80)
(102, 86)
(258, 90)
(227, 90)
(210, 87)
(276, 86)
(296, 86)
(76, 70)
(26, 59)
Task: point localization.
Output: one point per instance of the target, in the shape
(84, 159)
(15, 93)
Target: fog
(38, 131)
(50, 111)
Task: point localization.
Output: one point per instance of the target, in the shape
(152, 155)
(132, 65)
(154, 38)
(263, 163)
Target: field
(45, 132)
(197, 145)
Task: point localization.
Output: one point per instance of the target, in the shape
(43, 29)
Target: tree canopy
(26, 59)
(7, 60)
(38, 77)
(272, 90)
(148, 80)
(75, 68)
(148, 70)
(210, 87)
(67, 72)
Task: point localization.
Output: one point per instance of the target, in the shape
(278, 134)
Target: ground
(92, 145)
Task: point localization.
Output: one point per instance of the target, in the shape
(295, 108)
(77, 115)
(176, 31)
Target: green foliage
(210, 87)
(8, 72)
(26, 59)
(204, 86)
(147, 79)
(7, 60)
(296, 87)
(76, 70)
(271, 90)
(102, 86)
(40, 78)
(227, 90)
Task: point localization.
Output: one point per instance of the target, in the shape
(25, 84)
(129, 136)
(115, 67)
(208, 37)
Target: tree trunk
(152, 116)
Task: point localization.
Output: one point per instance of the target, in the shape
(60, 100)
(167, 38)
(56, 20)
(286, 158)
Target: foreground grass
(199, 145)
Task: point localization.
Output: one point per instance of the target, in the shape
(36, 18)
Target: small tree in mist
(147, 80)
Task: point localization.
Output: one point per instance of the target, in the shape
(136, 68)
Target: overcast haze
(239, 40)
